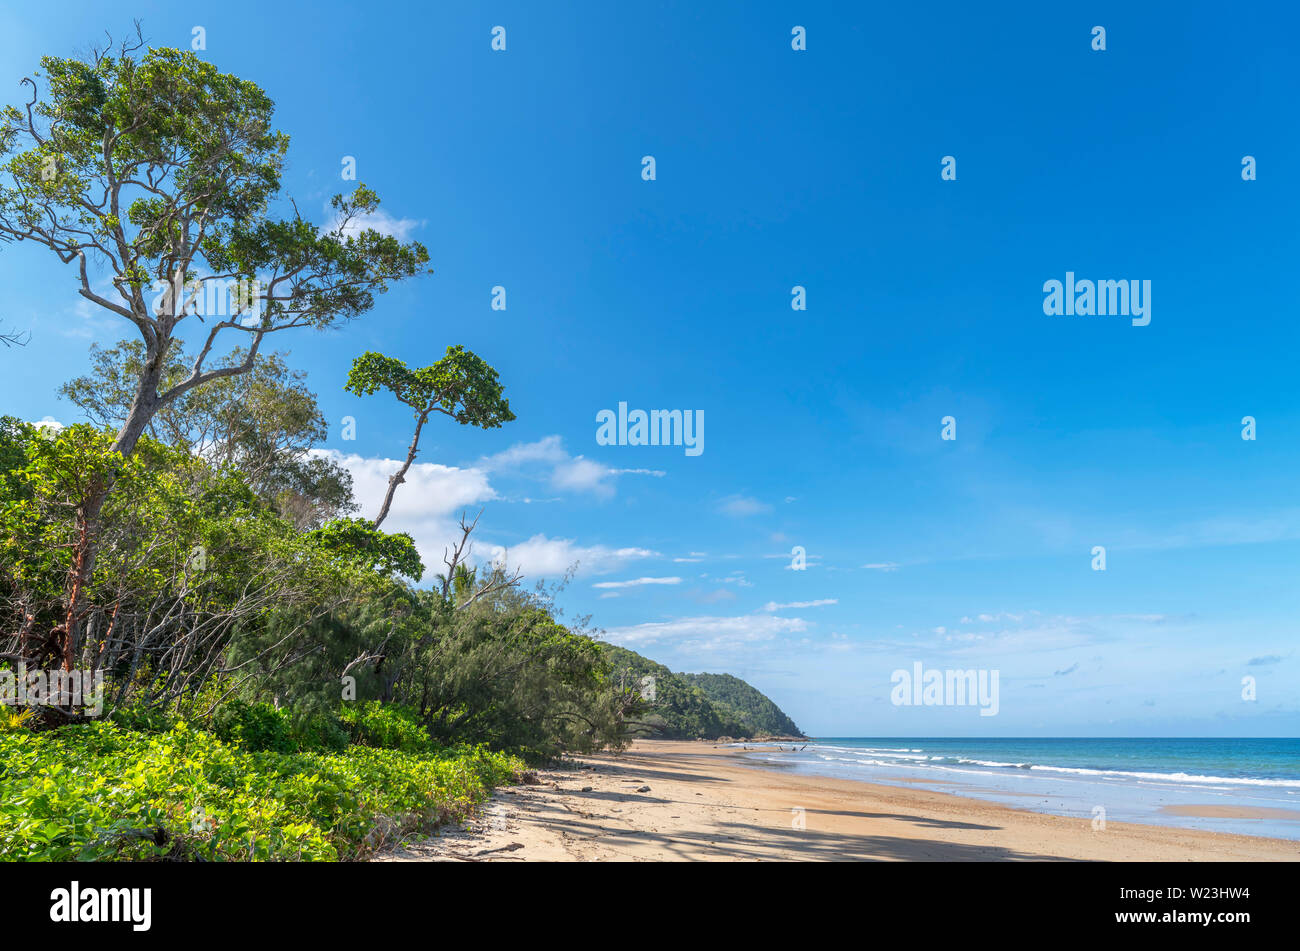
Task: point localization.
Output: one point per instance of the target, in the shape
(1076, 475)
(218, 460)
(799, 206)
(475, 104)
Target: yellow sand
(704, 804)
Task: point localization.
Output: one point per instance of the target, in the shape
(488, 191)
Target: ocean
(1245, 786)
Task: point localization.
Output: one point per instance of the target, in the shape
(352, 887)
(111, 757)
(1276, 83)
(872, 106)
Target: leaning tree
(461, 385)
(156, 170)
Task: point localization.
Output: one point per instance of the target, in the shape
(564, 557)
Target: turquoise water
(1128, 780)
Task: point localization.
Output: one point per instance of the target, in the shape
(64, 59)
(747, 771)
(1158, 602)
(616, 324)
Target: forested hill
(750, 703)
(698, 706)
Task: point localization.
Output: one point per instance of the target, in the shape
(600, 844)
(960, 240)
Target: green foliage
(97, 792)
(256, 727)
(314, 731)
(460, 385)
(262, 422)
(139, 719)
(13, 719)
(176, 536)
(205, 138)
(744, 703)
(189, 544)
(166, 168)
(165, 103)
(14, 437)
(360, 542)
(506, 673)
(61, 471)
(679, 710)
(261, 727)
(690, 706)
(387, 726)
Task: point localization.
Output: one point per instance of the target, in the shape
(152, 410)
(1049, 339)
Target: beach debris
(586, 789)
(643, 789)
(504, 848)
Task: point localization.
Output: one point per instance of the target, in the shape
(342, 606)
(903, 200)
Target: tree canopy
(461, 385)
(167, 171)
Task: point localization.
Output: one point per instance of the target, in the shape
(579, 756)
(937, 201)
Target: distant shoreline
(687, 800)
(1252, 790)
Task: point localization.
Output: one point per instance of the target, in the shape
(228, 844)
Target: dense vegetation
(745, 703)
(697, 706)
(278, 682)
(97, 792)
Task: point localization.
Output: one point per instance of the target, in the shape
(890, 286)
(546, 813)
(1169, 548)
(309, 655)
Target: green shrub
(97, 792)
(257, 727)
(318, 732)
(143, 721)
(388, 726)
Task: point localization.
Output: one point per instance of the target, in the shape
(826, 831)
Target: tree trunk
(142, 410)
(398, 477)
(143, 406)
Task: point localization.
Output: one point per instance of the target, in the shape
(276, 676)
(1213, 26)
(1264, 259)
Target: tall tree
(164, 169)
(460, 385)
(264, 422)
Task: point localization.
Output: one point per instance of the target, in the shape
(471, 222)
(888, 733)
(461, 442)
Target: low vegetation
(95, 791)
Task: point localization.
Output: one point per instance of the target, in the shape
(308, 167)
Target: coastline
(681, 800)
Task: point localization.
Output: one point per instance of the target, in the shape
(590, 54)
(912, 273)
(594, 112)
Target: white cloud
(576, 474)
(736, 577)
(540, 556)
(636, 582)
(582, 475)
(1021, 634)
(883, 566)
(1224, 530)
(427, 505)
(706, 634)
(49, 424)
(741, 506)
(820, 602)
(989, 618)
(547, 449)
(381, 221)
(809, 560)
(424, 506)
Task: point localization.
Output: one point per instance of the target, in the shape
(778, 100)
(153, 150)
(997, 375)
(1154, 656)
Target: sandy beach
(691, 801)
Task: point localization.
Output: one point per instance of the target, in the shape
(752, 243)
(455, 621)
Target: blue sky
(818, 168)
